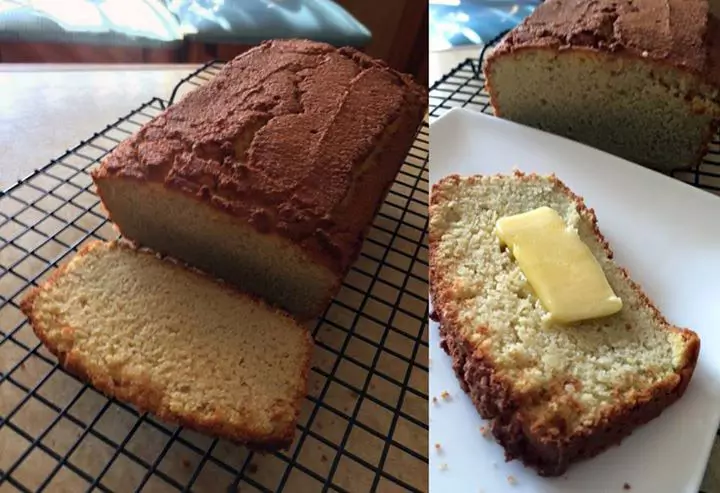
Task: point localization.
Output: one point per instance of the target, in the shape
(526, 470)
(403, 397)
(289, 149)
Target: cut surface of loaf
(555, 393)
(269, 175)
(175, 343)
(636, 79)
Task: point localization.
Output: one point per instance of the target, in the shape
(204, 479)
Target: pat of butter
(559, 266)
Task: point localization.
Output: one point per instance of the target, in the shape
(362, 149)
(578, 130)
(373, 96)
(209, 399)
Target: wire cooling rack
(363, 426)
(463, 87)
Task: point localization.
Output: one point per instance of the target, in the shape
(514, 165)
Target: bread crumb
(434, 400)
(445, 395)
(438, 448)
(186, 463)
(626, 486)
(511, 480)
(485, 431)
(443, 467)
(645, 54)
(323, 458)
(253, 468)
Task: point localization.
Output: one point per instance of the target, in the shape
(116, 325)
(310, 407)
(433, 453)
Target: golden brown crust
(494, 396)
(149, 398)
(279, 139)
(679, 33)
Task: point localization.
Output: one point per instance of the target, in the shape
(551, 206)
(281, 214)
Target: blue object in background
(251, 21)
(473, 22)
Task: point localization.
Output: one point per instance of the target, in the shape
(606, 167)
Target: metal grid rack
(464, 87)
(363, 426)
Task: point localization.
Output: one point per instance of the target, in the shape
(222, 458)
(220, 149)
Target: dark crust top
(494, 397)
(278, 139)
(149, 398)
(681, 33)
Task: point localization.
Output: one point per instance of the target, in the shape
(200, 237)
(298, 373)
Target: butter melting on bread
(555, 393)
(270, 175)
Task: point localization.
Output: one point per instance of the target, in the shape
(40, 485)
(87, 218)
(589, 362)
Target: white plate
(667, 234)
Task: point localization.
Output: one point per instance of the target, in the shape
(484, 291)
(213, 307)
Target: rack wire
(464, 87)
(363, 425)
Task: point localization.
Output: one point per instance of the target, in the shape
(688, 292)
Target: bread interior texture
(266, 265)
(644, 112)
(177, 341)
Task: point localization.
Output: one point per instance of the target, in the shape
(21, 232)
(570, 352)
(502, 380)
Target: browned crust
(149, 398)
(504, 52)
(685, 36)
(314, 214)
(494, 396)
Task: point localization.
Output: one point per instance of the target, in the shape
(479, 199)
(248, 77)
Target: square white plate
(667, 234)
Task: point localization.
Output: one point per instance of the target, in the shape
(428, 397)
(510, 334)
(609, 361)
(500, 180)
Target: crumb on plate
(511, 480)
(445, 395)
(443, 467)
(626, 486)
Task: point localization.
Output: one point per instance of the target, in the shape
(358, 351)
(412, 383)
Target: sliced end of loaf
(555, 394)
(174, 223)
(643, 111)
(175, 343)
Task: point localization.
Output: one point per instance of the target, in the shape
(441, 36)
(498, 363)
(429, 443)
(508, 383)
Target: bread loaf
(638, 79)
(270, 175)
(555, 393)
(175, 343)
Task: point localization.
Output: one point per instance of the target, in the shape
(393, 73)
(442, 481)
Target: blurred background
(195, 31)
(465, 23)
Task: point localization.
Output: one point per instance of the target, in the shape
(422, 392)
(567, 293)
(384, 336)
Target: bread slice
(555, 394)
(175, 343)
(637, 79)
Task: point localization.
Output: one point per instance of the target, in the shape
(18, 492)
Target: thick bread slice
(555, 393)
(175, 343)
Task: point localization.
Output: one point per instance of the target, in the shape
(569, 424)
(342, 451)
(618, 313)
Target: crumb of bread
(435, 400)
(445, 395)
(511, 480)
(443, 467)
(186, 463)
(485, 431)
(626, 486)
(438, 448)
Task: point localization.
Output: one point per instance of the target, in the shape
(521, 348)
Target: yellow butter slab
(559, 266)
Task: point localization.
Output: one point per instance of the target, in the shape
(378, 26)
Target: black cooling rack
(463, 87)
(363, 426)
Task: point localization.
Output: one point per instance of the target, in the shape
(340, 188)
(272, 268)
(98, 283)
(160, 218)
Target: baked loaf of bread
(175, 343)
(555, 394)
(637, 78)
(269, 175)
